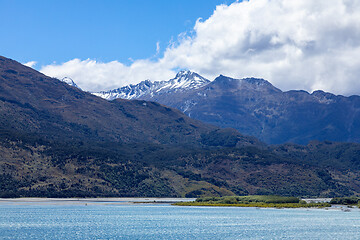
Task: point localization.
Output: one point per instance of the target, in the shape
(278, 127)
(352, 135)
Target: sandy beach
(90, 201)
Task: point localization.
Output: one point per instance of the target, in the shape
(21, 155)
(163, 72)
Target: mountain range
(254, 107)
(183, 82)
(59, 141)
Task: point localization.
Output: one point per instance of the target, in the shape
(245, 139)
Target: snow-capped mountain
(255, 107)
(128, 92)
(70, 82)
(183, 81)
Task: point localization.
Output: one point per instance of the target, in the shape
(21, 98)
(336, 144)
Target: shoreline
(185, 202)
(92, 201)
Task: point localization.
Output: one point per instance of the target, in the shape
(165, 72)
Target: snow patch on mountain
(324, 97)
(184, 80)
(70, 82)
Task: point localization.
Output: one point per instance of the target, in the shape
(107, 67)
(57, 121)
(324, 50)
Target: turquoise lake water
(155, 221)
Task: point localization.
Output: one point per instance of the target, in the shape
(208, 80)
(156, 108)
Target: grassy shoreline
(254, 201)
(261, 205)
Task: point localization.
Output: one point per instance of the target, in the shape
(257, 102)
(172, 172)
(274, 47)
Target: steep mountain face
(257, 108)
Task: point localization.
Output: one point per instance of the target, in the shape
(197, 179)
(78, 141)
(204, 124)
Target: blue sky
(294, 44)
(47, 30)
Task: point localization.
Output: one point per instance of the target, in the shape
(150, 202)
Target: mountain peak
(324, 97)
(186, 80)
(70, 82)
(256, 81)
(244, 83)
(183, 73)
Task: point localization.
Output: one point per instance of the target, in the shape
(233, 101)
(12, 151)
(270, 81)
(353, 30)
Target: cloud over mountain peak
(295, 44)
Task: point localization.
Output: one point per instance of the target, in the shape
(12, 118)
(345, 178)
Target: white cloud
(30, 64)
(157, 48)
(91, 75)
(294, 44)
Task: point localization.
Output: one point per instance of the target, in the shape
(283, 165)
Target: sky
(102, 45)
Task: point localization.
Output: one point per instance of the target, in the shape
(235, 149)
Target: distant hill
(58, 141)
(257, 108)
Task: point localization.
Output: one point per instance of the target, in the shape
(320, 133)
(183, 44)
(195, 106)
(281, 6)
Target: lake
(107, 220)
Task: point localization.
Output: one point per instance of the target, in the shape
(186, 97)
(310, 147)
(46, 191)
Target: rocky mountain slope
(58, 141)
(257, 108)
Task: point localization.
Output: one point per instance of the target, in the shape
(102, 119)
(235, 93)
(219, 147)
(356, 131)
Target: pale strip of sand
(90, 201)
(316, 200)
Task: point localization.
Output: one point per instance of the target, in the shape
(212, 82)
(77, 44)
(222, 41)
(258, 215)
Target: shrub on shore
(249, 199)
(269, 201)
(346, 200)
